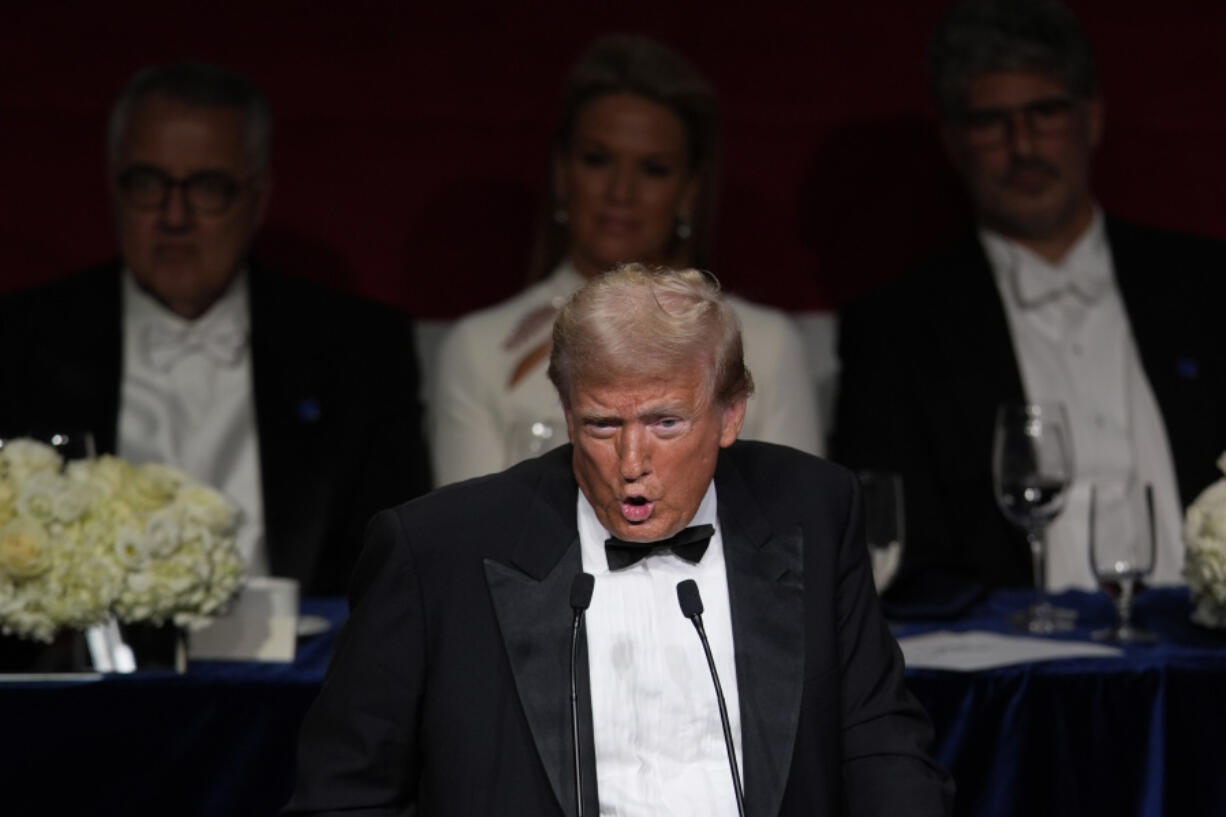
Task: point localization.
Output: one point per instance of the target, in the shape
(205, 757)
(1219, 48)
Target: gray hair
(199, 85)
(636, 322)
(975, 37)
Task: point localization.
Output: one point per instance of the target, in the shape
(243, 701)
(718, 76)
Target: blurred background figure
(633, 175)
(297, 402)
(1047, 299)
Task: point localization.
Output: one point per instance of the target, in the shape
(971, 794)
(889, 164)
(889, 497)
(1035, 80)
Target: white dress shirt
(1074, 345)
(186, 399)
(655, 721)
(484, 418)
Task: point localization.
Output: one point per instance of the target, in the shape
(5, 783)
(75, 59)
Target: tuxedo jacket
(926, 360)
(336, 402)
(449, 687)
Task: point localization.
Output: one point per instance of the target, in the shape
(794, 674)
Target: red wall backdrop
(411, 142)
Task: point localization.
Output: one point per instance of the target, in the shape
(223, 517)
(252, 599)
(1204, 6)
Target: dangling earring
(683, 229)
(560, 216)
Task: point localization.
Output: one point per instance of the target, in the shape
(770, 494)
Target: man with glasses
(1048, 299)
(299, 403)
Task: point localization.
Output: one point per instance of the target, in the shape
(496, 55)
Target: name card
(261, 625)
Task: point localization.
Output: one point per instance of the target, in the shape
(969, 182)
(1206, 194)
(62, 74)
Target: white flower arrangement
(1204, 530)
(102, 537)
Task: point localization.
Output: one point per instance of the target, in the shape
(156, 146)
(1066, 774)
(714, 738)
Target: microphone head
(687, 595)
(581, 591)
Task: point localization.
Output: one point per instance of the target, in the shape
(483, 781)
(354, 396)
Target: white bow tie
(224, 342)
(1037, 284)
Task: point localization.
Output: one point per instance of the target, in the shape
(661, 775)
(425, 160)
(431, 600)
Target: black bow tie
(689, 544)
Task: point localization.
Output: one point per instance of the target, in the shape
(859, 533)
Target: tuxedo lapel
(766, 591)
(978, 349)
(531, 598)
(1170, 350)
(288, 407)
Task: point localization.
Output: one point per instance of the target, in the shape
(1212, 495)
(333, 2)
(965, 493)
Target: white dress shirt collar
(1032, 281)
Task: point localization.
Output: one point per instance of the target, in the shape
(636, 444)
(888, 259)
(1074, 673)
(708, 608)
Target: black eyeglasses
(149, 188)
(991, 127)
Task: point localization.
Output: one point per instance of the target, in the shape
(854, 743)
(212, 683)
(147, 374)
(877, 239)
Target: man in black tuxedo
(299, 403)
(449, 688)
(1048, 299)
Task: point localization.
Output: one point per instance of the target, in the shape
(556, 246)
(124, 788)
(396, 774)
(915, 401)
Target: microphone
(691, 608)
(580, 598)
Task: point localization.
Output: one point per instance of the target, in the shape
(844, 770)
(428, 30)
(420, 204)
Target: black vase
(156, 647)
(66, 653)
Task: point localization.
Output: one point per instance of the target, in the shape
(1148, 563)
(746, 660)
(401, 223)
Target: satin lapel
(979, 347)
(1166, 348)
(532, 601)
(766, 591)
(294, 483)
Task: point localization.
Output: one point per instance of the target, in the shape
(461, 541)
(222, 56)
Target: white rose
(36, 495)
(102, 477)
(207, 507)
(152, 486)
(162, 533)
(8, 501)
(22, 457)
(24, 549)
(130, 547)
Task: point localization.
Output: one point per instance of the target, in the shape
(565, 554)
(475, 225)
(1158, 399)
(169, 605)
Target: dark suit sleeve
(357, 752)
(887, 769)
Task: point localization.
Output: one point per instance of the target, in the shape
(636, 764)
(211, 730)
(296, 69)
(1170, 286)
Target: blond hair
(641, 322)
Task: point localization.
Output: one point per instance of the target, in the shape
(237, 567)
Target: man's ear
(570, 423)
(733, 419)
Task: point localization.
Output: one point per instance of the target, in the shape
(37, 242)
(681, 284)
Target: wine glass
(882, 495)
(1122, 550)
(531, 438)
(70, 444)
(1032, 467)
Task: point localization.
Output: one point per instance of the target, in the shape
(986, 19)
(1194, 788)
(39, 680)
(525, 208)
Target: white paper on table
(979, 649)
(260, 626)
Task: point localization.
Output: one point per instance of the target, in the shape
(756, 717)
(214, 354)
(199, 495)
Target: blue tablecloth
(218, 740)
(1133, 735)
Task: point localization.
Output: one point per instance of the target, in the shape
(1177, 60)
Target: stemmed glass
(70, 444)
(882, 496)
(1122, 550)
(1032, 467)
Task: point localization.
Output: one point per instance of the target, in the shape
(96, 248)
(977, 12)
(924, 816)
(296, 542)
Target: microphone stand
(580, 599)
(691, 608)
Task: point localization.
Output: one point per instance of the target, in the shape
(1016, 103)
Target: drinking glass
(1122, 550)
(1032, 467)
(71, 444)
(531, 438)
(882, 496)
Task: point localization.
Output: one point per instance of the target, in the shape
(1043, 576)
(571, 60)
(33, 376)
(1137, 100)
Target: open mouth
(636, 508)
